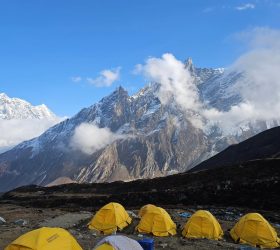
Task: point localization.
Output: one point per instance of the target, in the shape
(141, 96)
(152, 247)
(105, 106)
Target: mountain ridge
(152, 139)
(16, 108)
(21, 121)
(265, 145)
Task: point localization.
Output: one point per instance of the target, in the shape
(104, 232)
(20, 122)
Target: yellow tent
(158, 222)
(255, 230)
(105, 246)
(145, 209)
(110, 218)
(45, 238)
(202, 224)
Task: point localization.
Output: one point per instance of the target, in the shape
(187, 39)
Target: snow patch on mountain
(15, 108)
(20, 121)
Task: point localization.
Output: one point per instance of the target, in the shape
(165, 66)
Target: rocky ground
(76, 220)
(227, 192)
(252, 184)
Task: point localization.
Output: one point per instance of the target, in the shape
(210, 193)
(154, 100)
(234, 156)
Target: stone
(132, 214)
(2, 221)
(21, 222)
(163, 245)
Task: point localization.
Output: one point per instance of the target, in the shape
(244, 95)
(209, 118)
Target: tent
(146, 209)
(104, 246)
(202, 224)
(45, 238)
(110, 218)
(118, 242)
(158, 222)
(255, 230)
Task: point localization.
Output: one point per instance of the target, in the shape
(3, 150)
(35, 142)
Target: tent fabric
(110, 218)
(104, 246)
(118, 242)
(158, 222)
(45, 238)
(202, 224)
(145, 209)
(255, 230)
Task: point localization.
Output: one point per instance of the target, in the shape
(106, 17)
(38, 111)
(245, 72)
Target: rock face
(60, 181)
(153, 139)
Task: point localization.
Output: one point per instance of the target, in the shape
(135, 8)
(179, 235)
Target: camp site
(139, 124)
(112, 227)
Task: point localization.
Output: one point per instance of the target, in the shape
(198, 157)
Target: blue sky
(44, 44)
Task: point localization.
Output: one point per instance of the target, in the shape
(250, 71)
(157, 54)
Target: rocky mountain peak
(189, 64)
(121, 91)
(118, 93)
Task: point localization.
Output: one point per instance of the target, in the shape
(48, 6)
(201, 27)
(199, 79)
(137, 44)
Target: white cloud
(16, 131)
(176, 82)
(88, 138)
(106, 78)
(76, 78)
(259, 38)
(260, 85)
(245, 6)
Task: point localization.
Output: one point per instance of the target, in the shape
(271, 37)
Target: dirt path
(66, 221)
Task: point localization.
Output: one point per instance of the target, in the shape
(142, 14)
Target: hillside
(246, 186)
(265, 145)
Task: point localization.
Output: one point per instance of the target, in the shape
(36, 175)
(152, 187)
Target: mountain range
(126, 137)
(21, 121)
(15, 108)
(244, 175)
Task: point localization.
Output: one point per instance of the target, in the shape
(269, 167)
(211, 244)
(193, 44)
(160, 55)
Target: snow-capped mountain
(20, 121)
(15, 108)
(141, 137)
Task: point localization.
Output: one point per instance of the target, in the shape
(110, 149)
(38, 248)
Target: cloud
(260, 85)
(88, 138)
(259, 38)
(245, 6)
(76, 78)
(15, 131)
(175, 82)
(106, 78)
